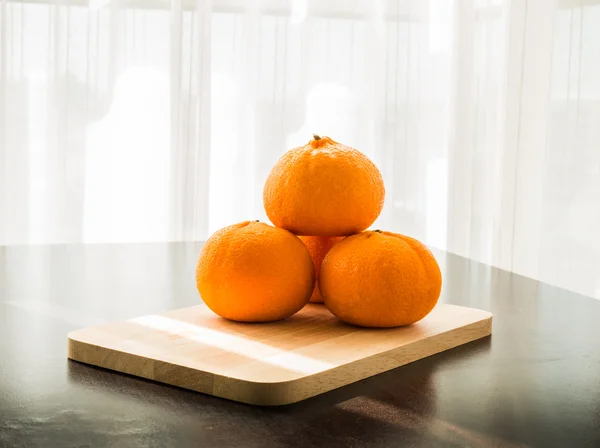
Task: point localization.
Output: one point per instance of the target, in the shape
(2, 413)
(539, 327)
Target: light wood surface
(268, 364)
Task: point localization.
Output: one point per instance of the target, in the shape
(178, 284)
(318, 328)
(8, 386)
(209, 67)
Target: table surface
(535, 382)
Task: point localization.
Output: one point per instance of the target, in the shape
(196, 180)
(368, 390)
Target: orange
(323, 189)
(318, 246)
(380, 279)
(253, 272)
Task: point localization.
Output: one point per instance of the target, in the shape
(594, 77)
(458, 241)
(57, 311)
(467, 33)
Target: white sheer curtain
(153, 120)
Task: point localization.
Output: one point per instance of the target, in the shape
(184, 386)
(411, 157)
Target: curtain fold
(154, 120)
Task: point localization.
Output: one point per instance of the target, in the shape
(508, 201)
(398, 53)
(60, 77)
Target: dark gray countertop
(536, 382)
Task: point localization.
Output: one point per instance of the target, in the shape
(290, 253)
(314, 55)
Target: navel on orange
(380, 279)
(253, 272)
(324, 189)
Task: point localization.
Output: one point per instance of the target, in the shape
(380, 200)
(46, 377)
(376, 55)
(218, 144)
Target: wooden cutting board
(268, 364)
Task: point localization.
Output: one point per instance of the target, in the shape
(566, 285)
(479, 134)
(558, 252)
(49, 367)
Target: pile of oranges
(321, 198)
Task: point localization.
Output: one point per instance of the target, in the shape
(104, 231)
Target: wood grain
(268, 364)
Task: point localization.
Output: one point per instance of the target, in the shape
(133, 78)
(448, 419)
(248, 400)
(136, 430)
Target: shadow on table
(399, 406)
(395, 408)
